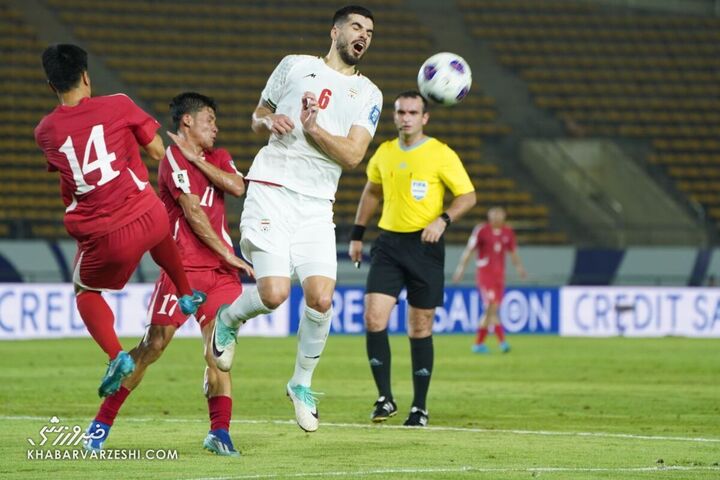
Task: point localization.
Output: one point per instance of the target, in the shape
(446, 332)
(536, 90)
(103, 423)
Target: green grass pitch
(553, 408)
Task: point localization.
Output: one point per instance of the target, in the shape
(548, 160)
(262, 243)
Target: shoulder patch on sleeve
(374, 115)
(181, 180)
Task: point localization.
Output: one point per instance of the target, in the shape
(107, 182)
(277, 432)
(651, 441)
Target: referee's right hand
(355, 251)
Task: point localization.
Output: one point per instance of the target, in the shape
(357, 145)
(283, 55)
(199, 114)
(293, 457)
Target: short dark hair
(189, 102)
(413, 94)
(342, 14)
(64, 64)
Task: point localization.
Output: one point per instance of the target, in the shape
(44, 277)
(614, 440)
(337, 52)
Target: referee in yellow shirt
(410, 175)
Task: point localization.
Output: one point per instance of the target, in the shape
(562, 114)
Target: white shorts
(285, 232)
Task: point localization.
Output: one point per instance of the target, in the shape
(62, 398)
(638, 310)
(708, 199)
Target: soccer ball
(445, 78)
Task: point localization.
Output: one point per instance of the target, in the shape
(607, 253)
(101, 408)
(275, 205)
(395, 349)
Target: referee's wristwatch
(446, 218)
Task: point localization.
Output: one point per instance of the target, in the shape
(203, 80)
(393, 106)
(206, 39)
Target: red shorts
(220, 286)
(107, 262)
(491, 288)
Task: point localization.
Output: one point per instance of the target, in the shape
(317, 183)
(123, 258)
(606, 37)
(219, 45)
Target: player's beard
(344, 49)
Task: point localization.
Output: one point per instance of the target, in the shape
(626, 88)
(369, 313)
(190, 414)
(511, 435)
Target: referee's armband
(357, 232)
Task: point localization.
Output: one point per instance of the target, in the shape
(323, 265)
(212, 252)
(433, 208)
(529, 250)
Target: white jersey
(344, 100)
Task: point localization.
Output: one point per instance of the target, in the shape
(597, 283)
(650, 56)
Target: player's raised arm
(369, 202)
(347, 151)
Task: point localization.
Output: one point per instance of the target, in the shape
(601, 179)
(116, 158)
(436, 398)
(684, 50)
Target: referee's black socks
(421, 352)
(378, 352)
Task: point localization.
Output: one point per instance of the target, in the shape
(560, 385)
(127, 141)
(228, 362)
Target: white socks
(312, 335)
(246, 306)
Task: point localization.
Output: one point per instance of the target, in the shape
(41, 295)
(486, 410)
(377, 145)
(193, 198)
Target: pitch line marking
(430, 428)
(420, 471)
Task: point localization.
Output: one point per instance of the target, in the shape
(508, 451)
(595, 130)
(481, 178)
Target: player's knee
(272, 296)
(321, 303)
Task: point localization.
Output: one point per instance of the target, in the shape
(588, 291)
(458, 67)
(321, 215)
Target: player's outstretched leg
(100, 321)
(228, 321)
(218, 391)
(147, 352)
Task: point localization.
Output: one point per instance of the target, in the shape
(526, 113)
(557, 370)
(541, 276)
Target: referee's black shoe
(417, 418)
(384, 409)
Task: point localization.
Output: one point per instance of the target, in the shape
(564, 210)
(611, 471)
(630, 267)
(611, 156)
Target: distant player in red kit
(115, 216)
(193, 179)
(492, 241)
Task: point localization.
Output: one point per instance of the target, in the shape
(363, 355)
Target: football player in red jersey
(492, 241)
(193, 181)
(115, 216)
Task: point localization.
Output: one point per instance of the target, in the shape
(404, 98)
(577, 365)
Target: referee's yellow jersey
(414, 181)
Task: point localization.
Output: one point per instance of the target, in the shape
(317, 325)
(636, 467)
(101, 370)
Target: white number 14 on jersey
(102, 162)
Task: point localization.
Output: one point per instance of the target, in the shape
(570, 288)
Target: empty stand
(30, 196)
(650, 78)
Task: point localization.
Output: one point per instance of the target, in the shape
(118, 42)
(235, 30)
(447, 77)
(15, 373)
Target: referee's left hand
(433, 232)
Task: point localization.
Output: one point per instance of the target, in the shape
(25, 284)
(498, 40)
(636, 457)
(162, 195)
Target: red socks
(166, 255)
(500, 333)
(220, 409)
(100, 321)
(111, 406)
(481, 334)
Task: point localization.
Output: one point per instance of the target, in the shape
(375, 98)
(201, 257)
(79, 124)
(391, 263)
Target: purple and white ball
(445, 78)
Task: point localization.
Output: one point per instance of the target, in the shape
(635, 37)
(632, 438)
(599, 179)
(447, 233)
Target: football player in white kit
(321, 114)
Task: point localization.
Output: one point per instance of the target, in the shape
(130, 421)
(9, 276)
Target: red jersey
(176, 175)
(93, 145)
(492, 244)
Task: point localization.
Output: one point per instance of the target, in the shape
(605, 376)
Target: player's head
(193, 114)
(65, 67)
(496, 216)
(352, 32)
(411, 113)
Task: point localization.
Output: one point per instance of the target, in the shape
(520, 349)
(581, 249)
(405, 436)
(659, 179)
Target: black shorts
(401, 260)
